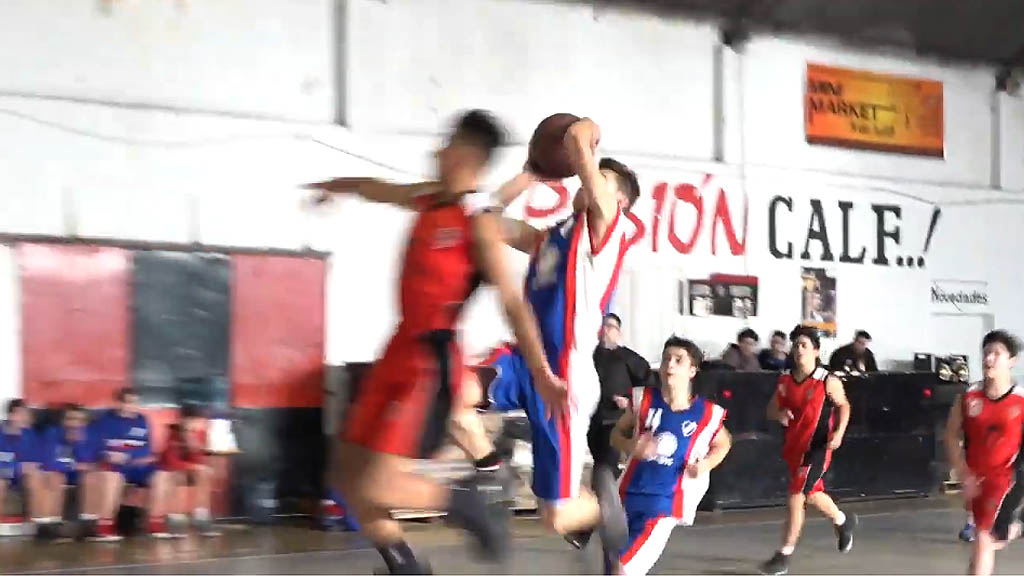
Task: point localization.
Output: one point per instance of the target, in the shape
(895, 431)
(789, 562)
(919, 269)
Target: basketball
(548, 157)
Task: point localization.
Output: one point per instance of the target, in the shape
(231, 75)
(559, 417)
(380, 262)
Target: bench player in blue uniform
(674, 438)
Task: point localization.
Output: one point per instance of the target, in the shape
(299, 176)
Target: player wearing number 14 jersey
(674, 439)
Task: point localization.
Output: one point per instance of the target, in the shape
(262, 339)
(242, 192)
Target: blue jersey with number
(660, 486)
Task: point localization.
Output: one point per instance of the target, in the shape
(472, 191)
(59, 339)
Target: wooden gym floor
(895, 537)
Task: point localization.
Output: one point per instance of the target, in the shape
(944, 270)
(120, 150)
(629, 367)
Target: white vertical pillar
(10, 326)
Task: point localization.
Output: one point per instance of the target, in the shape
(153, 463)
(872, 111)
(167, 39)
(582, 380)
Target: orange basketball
(548, 156)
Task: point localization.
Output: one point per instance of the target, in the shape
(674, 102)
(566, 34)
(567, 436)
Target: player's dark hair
(748, 333)
(779, 333)
(625, 178)
(1002, 337)
(71, 407)
(614, 316)
(480, 129)
(692, 350)
(123, 393)
(862, 334)
(14, 404)
(808, 331)
(191, 410)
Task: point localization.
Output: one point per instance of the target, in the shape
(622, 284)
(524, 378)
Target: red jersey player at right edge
(806, 402)
(989, 418)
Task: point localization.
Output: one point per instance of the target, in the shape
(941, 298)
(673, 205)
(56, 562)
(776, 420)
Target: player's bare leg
(376, 483)
(843, 523)
(983, 560)
(794, 522)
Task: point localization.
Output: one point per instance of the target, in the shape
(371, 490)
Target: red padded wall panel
(277, 331)
(76, 302)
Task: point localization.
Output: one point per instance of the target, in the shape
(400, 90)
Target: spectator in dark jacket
(855, 356)
(776, 357)
(743, 354)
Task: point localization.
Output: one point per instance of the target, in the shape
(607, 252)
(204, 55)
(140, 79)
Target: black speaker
(924, 362)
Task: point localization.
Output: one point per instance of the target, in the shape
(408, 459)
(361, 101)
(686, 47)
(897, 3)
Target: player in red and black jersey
(812, 407)
(405, 404)
(989, 417)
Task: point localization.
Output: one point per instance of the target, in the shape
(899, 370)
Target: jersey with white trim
(569, 284)
(661, 485)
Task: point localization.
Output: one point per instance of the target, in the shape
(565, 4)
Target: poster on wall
(858, 109)
(721, 295)
(819, 300)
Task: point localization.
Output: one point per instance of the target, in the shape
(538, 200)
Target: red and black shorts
(807, 472)
(998, 505)
(403, 406)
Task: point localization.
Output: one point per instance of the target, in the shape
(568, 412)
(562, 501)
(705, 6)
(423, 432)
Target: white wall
(155, 174)
(268, 58)
(773, 78)
(414, 63)
(1011, 142)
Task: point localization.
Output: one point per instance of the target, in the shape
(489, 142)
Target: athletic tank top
(439, 271)
(812, 412)
(684, 437)
(993, 430)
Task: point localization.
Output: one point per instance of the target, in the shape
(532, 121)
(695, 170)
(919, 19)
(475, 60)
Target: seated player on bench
(68, 455)
(19, 463)
(184, 459)
(126, 457)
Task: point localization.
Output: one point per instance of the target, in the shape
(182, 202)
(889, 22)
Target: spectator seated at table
(743, 354)
(185, 458)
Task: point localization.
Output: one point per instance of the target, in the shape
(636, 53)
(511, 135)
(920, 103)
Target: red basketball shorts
(403, 406)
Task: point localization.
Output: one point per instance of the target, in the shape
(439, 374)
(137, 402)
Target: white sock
(787, 550)
(840, 518)
(201, 514)
(87, 517)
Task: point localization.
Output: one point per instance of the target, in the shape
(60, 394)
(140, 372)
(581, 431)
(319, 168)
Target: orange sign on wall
(864, 110)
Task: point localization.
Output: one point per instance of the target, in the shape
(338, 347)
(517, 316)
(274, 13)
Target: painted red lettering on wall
(638, 234)
(722, 216)
(689, 194)
(681, 195)
(532, 211)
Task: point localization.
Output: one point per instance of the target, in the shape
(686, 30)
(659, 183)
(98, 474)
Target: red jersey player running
(405, 404)
(989, 419)
(807, 402)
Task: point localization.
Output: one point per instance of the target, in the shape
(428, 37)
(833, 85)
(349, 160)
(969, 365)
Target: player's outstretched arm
(374, 190)
(490, 255)
(836, 392)
(516, 233)
(581, 140)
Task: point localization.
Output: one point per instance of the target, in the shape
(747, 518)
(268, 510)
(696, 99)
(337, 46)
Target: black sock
(397, 556)
(489, 462)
